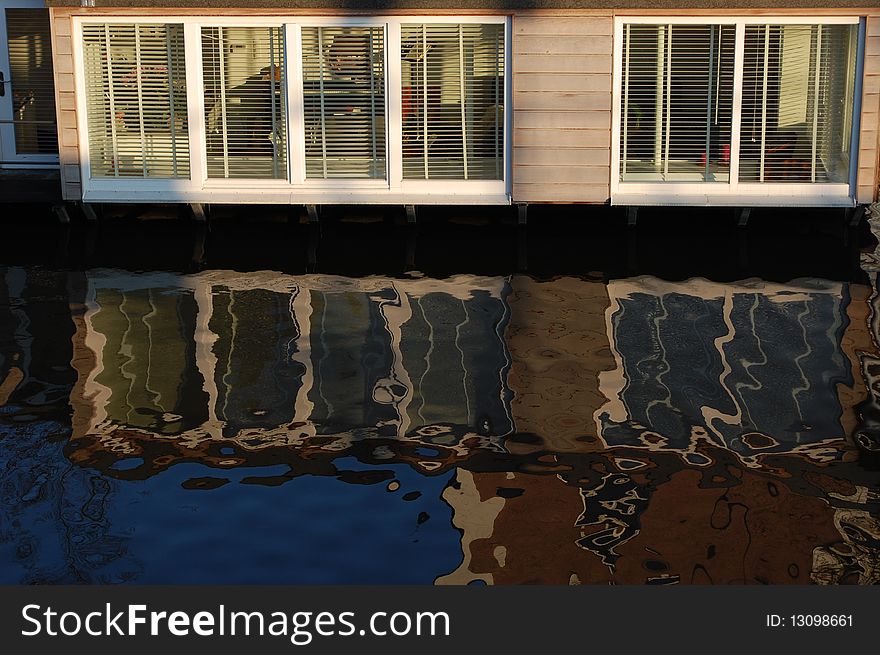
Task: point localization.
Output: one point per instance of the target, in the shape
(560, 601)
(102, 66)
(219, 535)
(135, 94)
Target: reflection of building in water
(558, 347)
(753, 367)
(273, 360)
(53, 519)
(649, 358)
(523, 529)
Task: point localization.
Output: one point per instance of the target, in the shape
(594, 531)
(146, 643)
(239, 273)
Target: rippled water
(262, 427)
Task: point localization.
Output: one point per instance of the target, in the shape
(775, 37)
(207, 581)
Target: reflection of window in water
(297, 357)
(728, 360)
(147, 364)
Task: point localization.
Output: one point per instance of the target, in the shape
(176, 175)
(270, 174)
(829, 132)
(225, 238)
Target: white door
(28, 132)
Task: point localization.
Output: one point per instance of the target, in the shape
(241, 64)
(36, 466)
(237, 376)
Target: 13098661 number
(821, 620)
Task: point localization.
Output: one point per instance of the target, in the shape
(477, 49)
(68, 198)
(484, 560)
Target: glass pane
(676, 103)
(797, 103)
(245, 109)
(136, 100)
(33, 87)
(453, 101)
(344, 101)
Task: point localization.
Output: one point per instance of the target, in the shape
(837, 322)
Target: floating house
(684, 102)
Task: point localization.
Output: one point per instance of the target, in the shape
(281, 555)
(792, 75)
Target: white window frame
(733, 192)
(296, 189)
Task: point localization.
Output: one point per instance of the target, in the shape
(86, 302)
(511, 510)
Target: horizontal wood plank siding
(562, 108)
(868, 175)
(65, 104)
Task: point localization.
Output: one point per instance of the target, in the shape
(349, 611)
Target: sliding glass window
(794, 113)
(135, 96)
(245, 106)
(453, 101)
(344, 101)
(676, 102)
(797, 104)
(287, 102)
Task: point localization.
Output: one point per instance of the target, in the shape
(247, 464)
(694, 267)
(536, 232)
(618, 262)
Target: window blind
(797, 103)
(453, 101)
(33, 88)
(136, 100)
(344, 101)
(676, 102)
(245, 107)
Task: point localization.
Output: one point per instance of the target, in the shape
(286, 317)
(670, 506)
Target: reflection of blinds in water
(408, 361)
(797, 103)
(775, 371)
(245, 110)
(230, 358)
(148, 359)
(453, 101)
(257, 379)
(136, 100)
(344, 101)
(30, 78)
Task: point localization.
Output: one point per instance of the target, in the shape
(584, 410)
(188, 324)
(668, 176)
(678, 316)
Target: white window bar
(626, 61)
(273, 135)
(764, 102)
(706, 175)
(140, 95)
(658, 121)
(425, 96)
(736, 123)
(462, 101)
(668, 103)
(171, 111)
(322, 97)
(497, 107)
(111, 93)
(816, 87)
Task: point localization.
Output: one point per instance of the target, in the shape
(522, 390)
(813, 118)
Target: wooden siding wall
(562, 108)
(868, 178)
(65, 102)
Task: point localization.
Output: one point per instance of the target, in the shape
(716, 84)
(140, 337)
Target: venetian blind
(344, 101)
(676, 102)
(245, 108)
(31, 80)
(797, 103)
(136, 100)
(453, 101)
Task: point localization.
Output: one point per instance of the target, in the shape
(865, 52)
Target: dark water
(626, 409)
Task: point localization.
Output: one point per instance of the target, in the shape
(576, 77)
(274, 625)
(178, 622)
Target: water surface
(259, 426)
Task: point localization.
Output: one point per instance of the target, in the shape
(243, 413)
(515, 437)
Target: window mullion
(111, 84)
(462, 75)
(295, 124)
(195, 101)
(816, 84)
(394, 106)
(736, 118)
